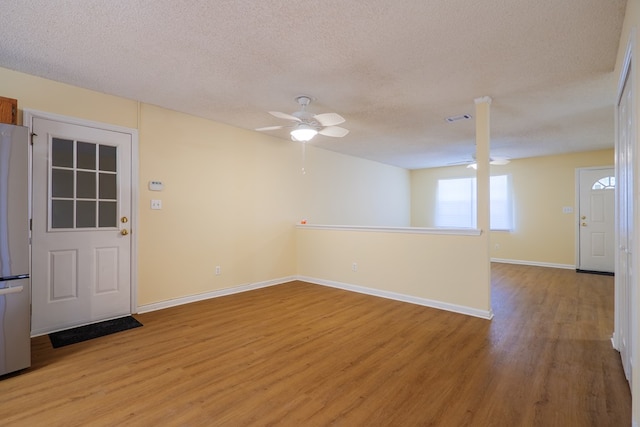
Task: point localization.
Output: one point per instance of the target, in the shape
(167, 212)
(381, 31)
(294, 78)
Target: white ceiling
(393, 69)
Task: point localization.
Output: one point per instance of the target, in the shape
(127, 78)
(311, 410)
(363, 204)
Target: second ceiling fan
(473, 164)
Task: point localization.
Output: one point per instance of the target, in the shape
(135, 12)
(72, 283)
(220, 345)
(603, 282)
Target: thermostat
(156, 185)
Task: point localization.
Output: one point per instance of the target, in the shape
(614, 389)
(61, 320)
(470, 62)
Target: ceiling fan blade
(329, 119)
(284, 116)
(335, 131)
(269, 128)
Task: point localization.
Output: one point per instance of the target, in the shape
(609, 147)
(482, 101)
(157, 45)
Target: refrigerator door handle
(14, 290)
(16, 277)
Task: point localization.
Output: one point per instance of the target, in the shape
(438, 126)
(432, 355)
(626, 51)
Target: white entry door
(81, 248)
(597, 219)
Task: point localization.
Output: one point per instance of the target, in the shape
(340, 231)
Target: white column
(483, 107)
(483, 125)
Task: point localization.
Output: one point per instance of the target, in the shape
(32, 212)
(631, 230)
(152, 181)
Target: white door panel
(625, 225)
(81, 256)
(597, 219)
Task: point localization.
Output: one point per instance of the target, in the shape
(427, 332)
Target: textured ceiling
(394, 70)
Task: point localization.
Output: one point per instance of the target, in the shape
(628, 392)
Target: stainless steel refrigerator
(15, 287)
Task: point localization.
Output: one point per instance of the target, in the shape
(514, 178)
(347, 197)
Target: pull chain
(304, 157)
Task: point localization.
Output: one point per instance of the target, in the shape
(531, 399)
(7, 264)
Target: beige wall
(232, 197)
(446, 271)
(229, 200)
(542, 186)
(46, 95)
(433, 268)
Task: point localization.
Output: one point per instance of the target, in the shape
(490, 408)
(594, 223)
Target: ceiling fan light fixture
(303, 132)
(306, 125)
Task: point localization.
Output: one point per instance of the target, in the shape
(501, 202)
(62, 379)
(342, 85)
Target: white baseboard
(484, 314)
(213, 294)
(533, 263)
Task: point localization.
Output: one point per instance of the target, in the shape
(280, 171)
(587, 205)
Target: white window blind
(456, 204)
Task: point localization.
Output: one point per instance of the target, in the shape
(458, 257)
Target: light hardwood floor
(306, 355)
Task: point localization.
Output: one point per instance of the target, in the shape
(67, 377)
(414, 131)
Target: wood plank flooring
(306, 355)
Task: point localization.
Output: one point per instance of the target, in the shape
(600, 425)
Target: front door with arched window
(596, 220)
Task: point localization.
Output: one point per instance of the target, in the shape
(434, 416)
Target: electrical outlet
(218, 271)
(354, 266)
(156, 204)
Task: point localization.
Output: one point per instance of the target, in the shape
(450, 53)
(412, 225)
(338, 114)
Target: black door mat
(95, 330)
(601, 273)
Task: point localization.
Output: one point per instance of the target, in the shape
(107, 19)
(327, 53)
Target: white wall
(345, 190)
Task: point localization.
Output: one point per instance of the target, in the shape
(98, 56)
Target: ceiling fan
(473, 164)
(306, 125)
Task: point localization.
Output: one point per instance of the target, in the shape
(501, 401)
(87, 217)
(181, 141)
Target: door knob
(124, 219)
(124, 232)
(584, 224)
(582, 217)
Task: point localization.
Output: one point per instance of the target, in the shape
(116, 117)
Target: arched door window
(606, 183)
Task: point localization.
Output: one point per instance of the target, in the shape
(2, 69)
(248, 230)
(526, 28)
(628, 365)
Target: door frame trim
(577, 212)
(29, 115)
